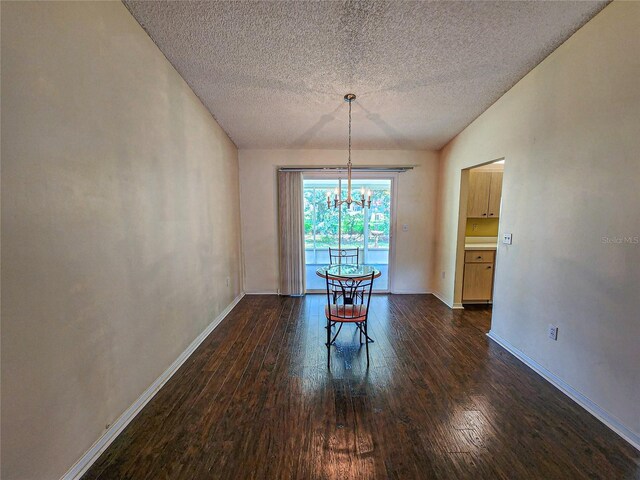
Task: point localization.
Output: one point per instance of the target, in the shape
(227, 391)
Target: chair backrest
(353, 301)
(342, 256)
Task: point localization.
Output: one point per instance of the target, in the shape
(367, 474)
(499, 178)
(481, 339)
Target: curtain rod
(363, 168)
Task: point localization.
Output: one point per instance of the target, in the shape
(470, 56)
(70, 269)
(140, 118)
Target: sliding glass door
(368, 228)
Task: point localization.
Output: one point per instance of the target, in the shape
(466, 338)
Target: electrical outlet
(553, 332)
(474, 227)
(507, 238)
(405, 228)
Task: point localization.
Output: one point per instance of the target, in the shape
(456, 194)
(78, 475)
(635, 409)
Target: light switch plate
(507, 238)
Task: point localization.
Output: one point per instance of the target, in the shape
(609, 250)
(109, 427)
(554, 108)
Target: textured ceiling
(274, 73)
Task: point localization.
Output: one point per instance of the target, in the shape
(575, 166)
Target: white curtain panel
(291, 233)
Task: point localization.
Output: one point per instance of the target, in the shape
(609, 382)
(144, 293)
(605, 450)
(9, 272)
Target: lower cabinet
(477, 285)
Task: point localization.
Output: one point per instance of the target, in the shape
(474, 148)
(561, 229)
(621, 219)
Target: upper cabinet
(479, 186)
(485, 191)
(495, 194)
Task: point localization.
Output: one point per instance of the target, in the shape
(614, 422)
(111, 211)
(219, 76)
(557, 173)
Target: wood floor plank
(439, 401)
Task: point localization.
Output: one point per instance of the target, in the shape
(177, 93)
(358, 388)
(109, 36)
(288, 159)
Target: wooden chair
(350, 306)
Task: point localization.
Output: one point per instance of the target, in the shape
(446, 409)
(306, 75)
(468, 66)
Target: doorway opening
(478, 232)
(368, 229)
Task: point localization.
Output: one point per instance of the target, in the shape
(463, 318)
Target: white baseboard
(591, 407)
(448, 303)
(261, 293)
(410, 292)
(91, 455)
(395, 292)
(441, 297)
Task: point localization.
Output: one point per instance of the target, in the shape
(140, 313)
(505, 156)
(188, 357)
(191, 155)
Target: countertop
(480, 243)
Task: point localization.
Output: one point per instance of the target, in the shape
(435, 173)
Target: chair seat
(346, 313)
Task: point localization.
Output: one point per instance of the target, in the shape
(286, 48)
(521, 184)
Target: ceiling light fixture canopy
(337, 201)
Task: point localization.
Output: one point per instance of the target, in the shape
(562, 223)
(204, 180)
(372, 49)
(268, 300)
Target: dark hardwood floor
(439, 401)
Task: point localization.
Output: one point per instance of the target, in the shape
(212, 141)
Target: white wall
(570, 133)
(120, 224)
(416, 208)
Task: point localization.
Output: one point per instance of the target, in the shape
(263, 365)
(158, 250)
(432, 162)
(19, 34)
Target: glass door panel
(368, 228)
(321, 227)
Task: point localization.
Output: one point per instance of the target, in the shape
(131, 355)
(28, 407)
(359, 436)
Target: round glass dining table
(348, 271)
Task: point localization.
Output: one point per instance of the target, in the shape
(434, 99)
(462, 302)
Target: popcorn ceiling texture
(274, 73)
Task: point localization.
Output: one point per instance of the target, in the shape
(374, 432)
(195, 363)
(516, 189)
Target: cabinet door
(478, 201)
(495, 194)
(478, 281)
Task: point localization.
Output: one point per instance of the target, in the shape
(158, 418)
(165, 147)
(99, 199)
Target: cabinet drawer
(479, 256)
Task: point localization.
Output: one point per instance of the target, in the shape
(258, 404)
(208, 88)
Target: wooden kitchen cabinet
(495, 195)
(478, 201)
(477, 284)
(479, 256)
(485, 192)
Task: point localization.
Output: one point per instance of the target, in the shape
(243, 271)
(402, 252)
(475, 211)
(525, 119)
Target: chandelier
(337, 201)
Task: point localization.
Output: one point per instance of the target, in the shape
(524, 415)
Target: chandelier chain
(349, 97)
(349, 132)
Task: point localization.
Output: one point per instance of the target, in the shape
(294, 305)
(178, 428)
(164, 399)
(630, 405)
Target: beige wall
(570, 133)
(119, 225)
(416, 208)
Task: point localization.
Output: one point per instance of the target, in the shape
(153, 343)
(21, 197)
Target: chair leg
(366, 342)
(362, 332)
(328, 344)
(332, 341)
